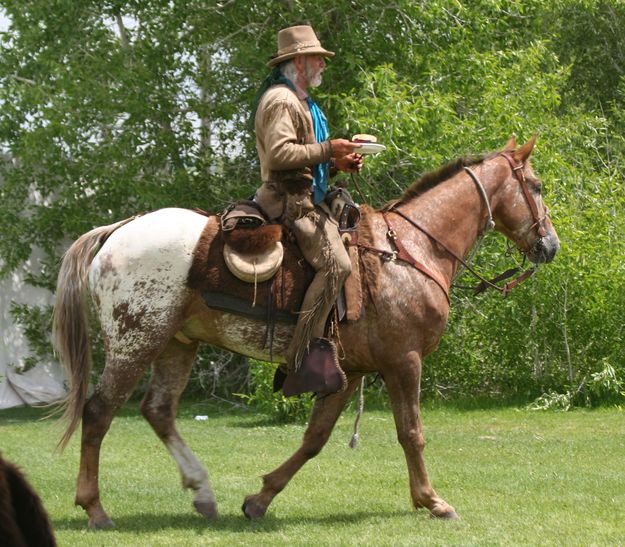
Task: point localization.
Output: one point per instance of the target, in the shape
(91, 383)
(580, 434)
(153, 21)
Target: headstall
(402, 254)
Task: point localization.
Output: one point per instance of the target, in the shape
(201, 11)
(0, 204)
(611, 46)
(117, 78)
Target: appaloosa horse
(137, 275)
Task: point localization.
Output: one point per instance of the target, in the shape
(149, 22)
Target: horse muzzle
(544, 249)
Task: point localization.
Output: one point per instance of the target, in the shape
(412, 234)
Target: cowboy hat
(298, 40)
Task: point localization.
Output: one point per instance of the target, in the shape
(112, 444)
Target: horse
(23, 519)
(134, 274)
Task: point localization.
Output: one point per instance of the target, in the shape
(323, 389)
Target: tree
(112, 108)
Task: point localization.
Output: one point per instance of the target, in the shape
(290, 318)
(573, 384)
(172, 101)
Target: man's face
(314, 65)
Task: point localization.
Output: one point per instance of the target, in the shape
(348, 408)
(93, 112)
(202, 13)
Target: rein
(401, 253)
(484, 283)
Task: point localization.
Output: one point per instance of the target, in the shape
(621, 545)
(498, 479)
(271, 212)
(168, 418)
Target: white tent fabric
(43, 383)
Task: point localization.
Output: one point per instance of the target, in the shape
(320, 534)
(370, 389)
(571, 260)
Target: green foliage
(112, 108)
(490, 339)
(587, 37)
(602, 386)
(36, 324)
(218, 374)
(262, 397)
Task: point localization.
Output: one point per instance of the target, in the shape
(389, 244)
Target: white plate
(369, 148)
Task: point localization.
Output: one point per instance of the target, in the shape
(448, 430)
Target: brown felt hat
(298, 40)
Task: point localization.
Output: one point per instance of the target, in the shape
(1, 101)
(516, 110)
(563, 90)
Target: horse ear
(510, 145)
(525, 150)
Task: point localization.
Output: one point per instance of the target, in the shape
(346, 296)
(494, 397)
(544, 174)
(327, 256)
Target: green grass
(515, 477)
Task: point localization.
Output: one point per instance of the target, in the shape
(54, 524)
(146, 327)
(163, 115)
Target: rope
(362, 196)
(490, 224)
(353, 443)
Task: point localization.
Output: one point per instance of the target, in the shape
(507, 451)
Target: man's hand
(352, 163)
(342, 147)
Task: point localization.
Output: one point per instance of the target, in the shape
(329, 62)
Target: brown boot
(318, 372)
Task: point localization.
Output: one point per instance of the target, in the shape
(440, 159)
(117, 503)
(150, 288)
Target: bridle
(402, 254)
(519, 173)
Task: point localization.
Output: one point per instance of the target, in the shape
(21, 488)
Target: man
(296, 158)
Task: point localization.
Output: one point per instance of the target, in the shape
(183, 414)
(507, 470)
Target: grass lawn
(515, 477)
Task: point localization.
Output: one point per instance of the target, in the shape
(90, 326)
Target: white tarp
(43, 383)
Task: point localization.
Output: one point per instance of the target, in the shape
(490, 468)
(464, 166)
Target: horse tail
(70, 322)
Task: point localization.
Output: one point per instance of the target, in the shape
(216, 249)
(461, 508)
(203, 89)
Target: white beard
(314, 77)
(316, 80)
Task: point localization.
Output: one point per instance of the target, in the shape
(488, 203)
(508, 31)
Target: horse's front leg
(324, 415)
(404, 389)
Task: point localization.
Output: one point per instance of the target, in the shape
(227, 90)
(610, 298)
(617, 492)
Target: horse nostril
(540, 252)
(545, 249)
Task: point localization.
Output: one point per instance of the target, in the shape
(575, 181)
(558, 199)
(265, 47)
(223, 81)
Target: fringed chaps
(325, 251)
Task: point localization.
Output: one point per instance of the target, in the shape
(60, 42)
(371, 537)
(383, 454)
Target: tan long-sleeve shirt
(285, 140)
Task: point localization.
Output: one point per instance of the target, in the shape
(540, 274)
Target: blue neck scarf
(321, 170)
(320, 125)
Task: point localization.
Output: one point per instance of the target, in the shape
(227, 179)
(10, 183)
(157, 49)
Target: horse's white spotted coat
(138, 278)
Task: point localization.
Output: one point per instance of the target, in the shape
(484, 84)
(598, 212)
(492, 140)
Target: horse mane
(370, 263)
(431, 179)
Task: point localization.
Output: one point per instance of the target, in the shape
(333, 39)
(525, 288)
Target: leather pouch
(319, 371)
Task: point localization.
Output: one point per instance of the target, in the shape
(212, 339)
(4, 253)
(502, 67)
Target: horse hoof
(442, 510)
(252, 509)
(207, 509)
(447, 515)
(101, 524)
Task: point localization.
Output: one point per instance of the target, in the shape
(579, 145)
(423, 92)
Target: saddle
(246, 265)
(253, 249)
(265, 257)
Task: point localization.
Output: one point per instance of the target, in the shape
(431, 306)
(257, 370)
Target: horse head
(518, 208)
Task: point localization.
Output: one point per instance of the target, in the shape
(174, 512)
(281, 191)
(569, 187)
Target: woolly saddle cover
(284, 292)
(209, 273)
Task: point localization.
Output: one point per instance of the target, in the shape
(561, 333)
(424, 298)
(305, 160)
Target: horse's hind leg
(324, 415)
(118, 380)
(403, 387)
(169, 377)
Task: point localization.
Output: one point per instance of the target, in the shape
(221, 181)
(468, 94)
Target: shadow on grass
(263, 420)
(27, 413)
(247, 418)
(225, 523)
(53, 412)
(471, 403)
(237, 418)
